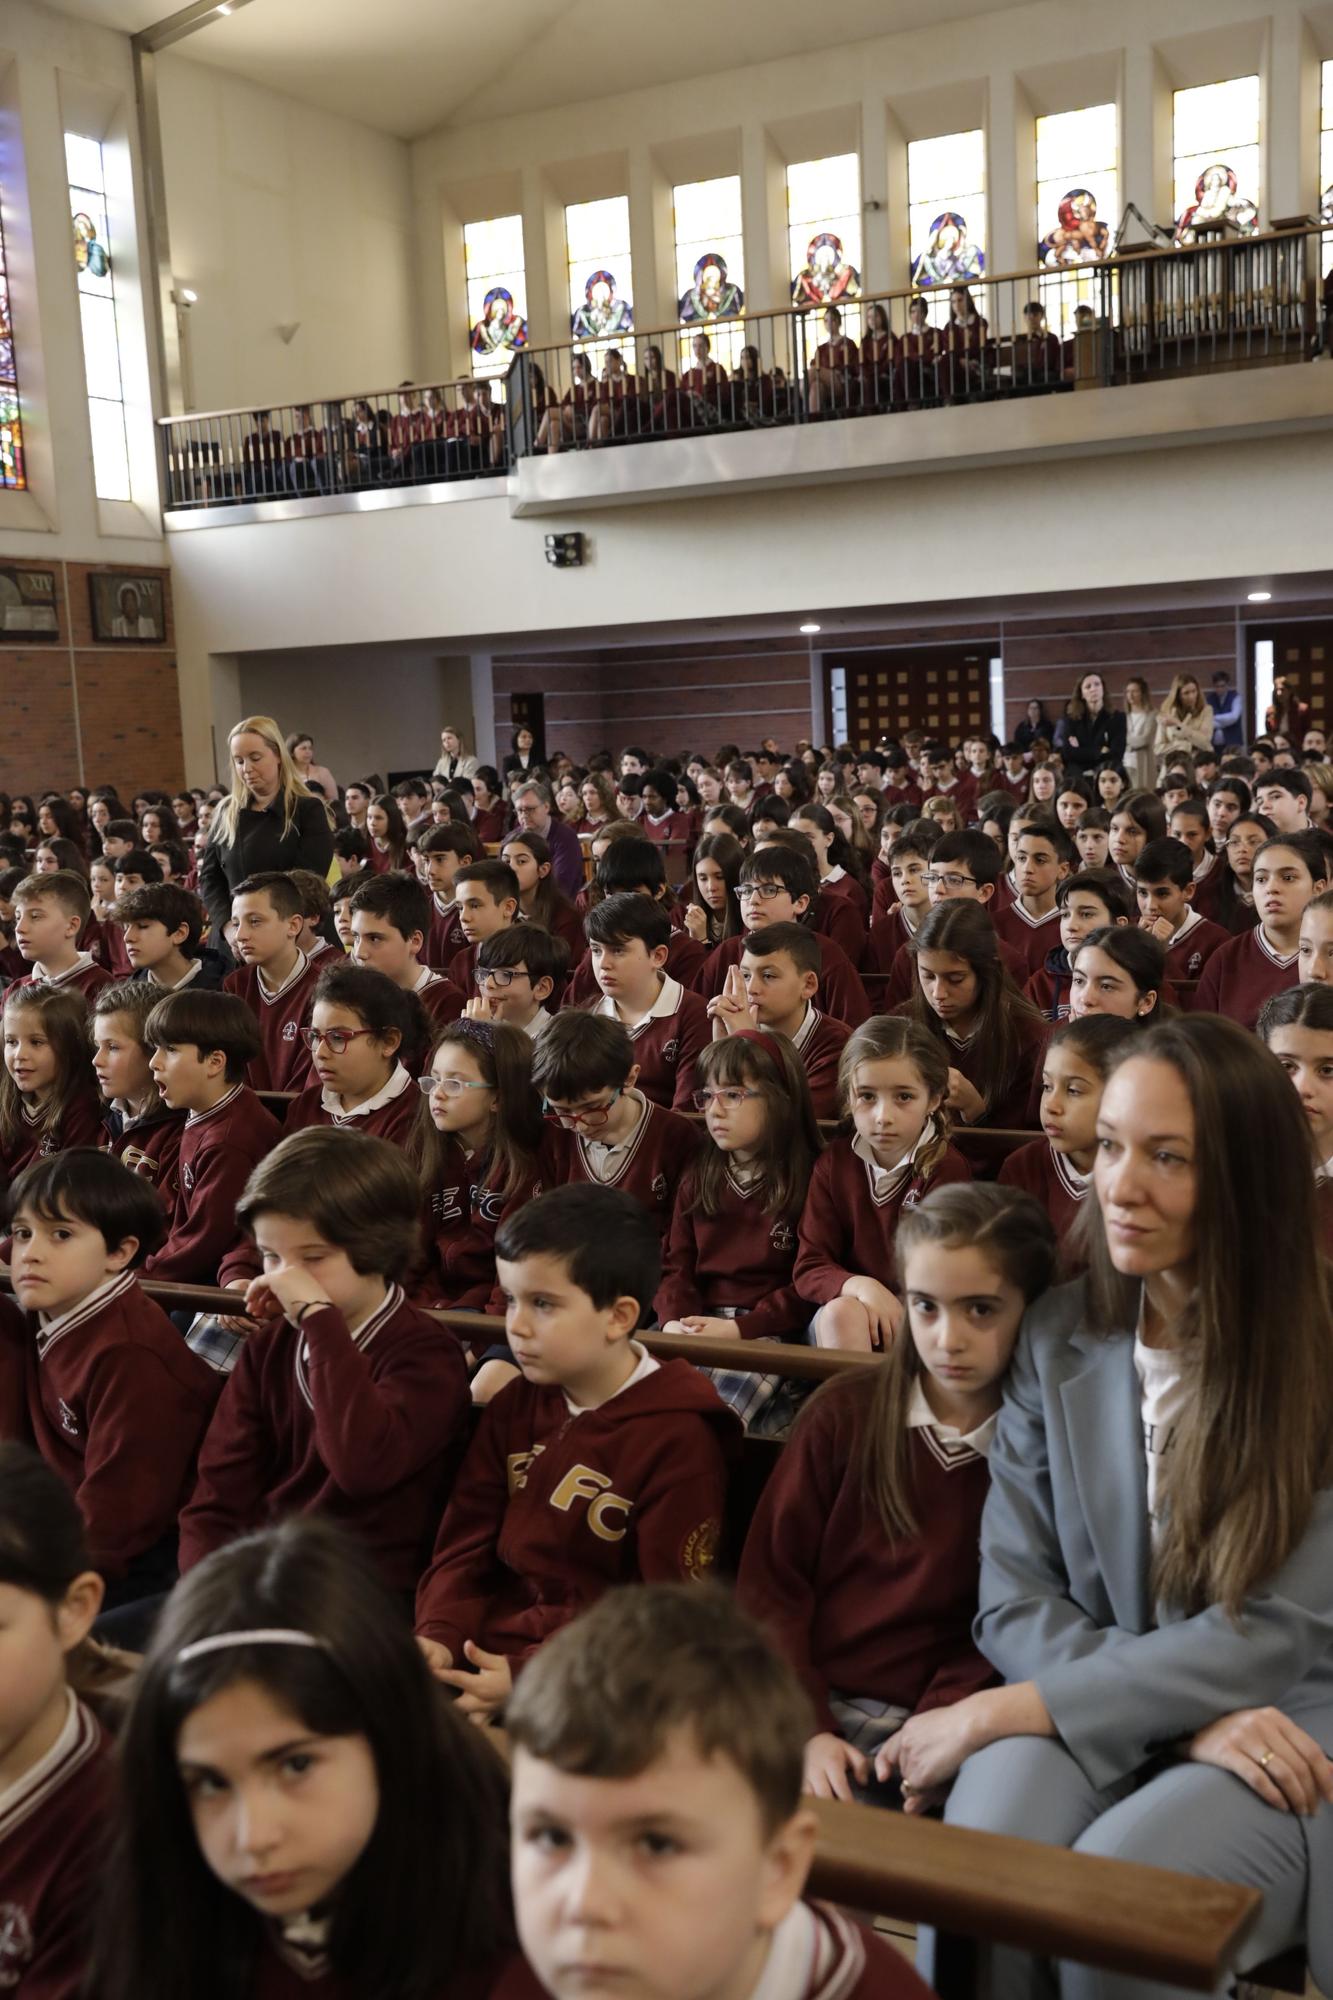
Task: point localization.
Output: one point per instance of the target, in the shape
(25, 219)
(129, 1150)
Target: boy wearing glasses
(517, 973)
(779, 886)
(616, 1136)
(390, 925)
(276, 978)
(628, 941)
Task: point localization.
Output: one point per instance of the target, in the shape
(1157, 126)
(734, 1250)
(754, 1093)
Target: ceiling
(408, 67)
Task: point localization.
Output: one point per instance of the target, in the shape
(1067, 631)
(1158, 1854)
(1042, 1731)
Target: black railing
(1144, 315)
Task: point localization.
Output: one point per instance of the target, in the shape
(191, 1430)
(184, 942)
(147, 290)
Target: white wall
(281, 215)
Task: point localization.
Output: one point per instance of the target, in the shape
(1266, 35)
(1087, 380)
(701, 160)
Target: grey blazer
(1065, 1564)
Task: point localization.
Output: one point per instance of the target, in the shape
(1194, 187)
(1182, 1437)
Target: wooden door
(944, 690)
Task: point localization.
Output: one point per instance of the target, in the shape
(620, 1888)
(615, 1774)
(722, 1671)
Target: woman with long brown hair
(1184, 724)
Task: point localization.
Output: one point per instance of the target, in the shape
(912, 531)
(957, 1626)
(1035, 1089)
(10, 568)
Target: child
(713, 912)
(658, 1752)
(602, 1466)
(1088, 901)
(962, 865)
(1138, 818)
(862, 1558)
(779, 886)
(632, 866)
(365, 1037)
(390, 919)
(102, 885)
(340, 905)
(1233, 897)
(1057, 1169)
(540, 900)
(486, 893)
(1071, 803)
(774, 988)
(1298, 1027)
(444, 850)
(315, 911)
(139, 1130)
(276, 980)
(894, 1079)
(1287, 871)
(1043, 856)
(1315, 952)
(351, 853)
(1189, 822)
(50, 912)
(990, 1034)
(349, 1401)
(163, 928)
(287, 1733)
(628, 939)
(1121, 972)
(55, 1807)
(584, 1068)
(388, 835)
(201, 1044)
(48, 1098)
(97, 1377)
(902, 896)
(517, 972)
(1165, 882)
(1092, 838)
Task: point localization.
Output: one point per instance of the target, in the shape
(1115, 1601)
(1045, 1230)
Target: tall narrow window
(946, 208)
(496, 292)
(12, 477)
(710, 262)
(97, 310)
(824, 241)
(1326, 161)
(601, 277)
(1217, 165)
(1078, 204)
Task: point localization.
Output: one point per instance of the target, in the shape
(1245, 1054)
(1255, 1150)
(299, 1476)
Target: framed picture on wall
(28, 603)
(128, 608)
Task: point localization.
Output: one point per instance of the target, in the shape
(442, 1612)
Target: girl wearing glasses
(365, 1035)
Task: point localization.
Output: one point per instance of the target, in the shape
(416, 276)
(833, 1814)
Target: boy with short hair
(774, 988)
(316, 908)
(444, 850)
(135, 870)
(390, 920)
(633, 866)
(202, 1044)
(413, 796)
(163, 927)
(1043, 856)
(666, 1711)
(601, 1467)
(902, 897)
(348, 1401)
(96, 1376)
(486, 893)
(963, 867)
(351, 851)
(142, 1132)
(778, 885)
(1284, 797)
(584, 1068)
(275, 979)
(1250, 968)
(628, 941)
(119, 836)
(1092, 837)
(517, 973)
(1087, 902)
(1164, 878)
(1013, 776)
(50, 912)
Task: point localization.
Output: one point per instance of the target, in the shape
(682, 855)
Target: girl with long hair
(862, 1555)
(1232, 903)
(991, 1036)
(48, 1094)
(1117, 970)
(842, 868)
(1057, 1168)
(387, 832)
(540, 898)
(598, 793)
(713, 911)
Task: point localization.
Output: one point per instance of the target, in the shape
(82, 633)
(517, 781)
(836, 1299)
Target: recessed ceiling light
(225, 7)
(1261, 596)
(809, 629)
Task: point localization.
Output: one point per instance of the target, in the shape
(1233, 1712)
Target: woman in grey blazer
(1157, 1548)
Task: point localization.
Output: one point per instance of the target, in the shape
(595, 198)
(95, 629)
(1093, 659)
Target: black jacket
(1098, 739)
(261, 844)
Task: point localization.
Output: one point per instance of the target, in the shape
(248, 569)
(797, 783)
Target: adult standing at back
(454, 761)
(534, 808)
(1090, 733)
(301, 748)
(269, 820)
(1140, 734)
(1184, 724)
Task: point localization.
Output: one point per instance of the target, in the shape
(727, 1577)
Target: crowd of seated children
(1057, 1168)
(1093, 899)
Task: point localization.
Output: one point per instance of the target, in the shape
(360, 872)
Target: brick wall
(76, 711)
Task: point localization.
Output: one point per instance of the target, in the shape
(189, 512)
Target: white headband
(266, 1635)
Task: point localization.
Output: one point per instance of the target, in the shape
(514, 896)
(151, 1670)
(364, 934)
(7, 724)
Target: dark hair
(1194, 808)
(617, 919)
(964, 928)
(438, 1853)
(549, 900)
(380, 1004)
(630, 864)
(396, 839)
(81, 1184)
(497, 878)
(606, 1239)
(177, 860)
(62, 886)
(1095, 1037)
(1294, 781)
(398, 899)
(1165, 860)
(529, 945)
(841, 853)
(504, 1056)
(455, 838)
(1308, 847)
(42, 1546)
(168, 904)
(727, 853)
(1145, 809)
(358, 1191)
(121, 829)
(138, 862)
(977, 850)
(1055, 836)
(1108, 885)
(1137, 953)
(351, 843)
(207, 1021)
(785, 1156)
(1232, 782)
(778, 862)
(800, 943)
(580, 1052)
(1298, 1007)
(64, 1013)
(69, 855)
(284, 892)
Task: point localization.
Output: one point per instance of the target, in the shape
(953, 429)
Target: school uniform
(1208, 875)
(1031, 937)
(386, 1115)
(55, 1823)
(445, 937)
(1011, 1106)
(819, 1042)
(890, 933)
(462, 1214)
(357, 1423)
(858, 1613)
(1060, 1188)
(650, 1164)
(837, 917)
(114, 955)
(281, 1011)
(672, 829)
(439, 996)
(555, 1504)
(1048, 990)
(219, 1150)
(489, 822)
(685, 956)
(851, 1212)
(839, 883)
(1189, 949)
(666, 1042)
(380, 860)
(902, 980)
(149, 1145)
(1241, 975)
(736, 1264)
(840, 993)
(86, 976)
(116, 1403)
(883, 895)
(293, 1964)
(79, 1124)
(1006, 892)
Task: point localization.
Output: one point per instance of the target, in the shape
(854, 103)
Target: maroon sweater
(1241, 975)
(151, 1148)
(854, 1611)
(446, 935)
(847, 1230)
(54, 1831)
(550, 1509)
(219, 1150)
(653, 1166)
(88, 980)
(1187, 958)
(835, 915)
(281, 1973)
(741, 1257)
(902, 980)
(80, 1124)
(116, 1403)
(684, 958)
(840, 994)
(462, 1215)
(362, 1428)
(1030, 938)
(1012, 1106)
(889, 935)
(1037, 1169)
(666, 1047)
(820, 1053)
(284, 1063)
(391, 1121)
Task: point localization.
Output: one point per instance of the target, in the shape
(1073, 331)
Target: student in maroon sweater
(390, 922)
(629, 939)
(903, 896)
(1298, 1027)
(863, 1555)
(444, 850)
(349, 1402)
(487, 895)
(894, 1081)
(1057, 1168)
(1189, 823)
(632, 866)
(1164, 881)
(1249, 969)
(600, 1467)
(283, 1666)
(540, 898)
(201, 1045)
(517, 972)
(48, 1095)
(138, 1129)
(276, 979)
(615, 1136)
(774, 988)
(665, 1708)
(366, 1037)
(1043, 856)
(56, 1800)
(990, 1034)
(1094, 899)
(96, 1375)
(779, 886)
(50, 912)
(963, 867)
(1116, 971)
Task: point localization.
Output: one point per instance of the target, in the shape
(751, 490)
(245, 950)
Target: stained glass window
(1078, 204)
(1326, 160)
(824, 239)
(1217, 166)
(946, 208)
(496, 292)
(12, 476)
(601, 276)
(97, 310)
(710, 261)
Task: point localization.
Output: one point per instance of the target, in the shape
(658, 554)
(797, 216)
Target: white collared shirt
(604, 1161)
(1284, 959)
(1192, 917)
(268, 994)
(666, 1003)
(52, 1327)
(221, 1105)
(192, 971)
(1073, 1182)
(647, 1365)
(806, 1029)
(330, 1101)
(81, 964)
(920, 1416)
(885, 1181)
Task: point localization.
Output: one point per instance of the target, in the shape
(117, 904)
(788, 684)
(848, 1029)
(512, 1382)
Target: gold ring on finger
(1265, 1760)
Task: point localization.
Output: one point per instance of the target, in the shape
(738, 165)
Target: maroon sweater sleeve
(781, 1313)
(375, 1425)
(1208, 993)
(234, 1464)
(695, 1033)
(208, 1228)
(455, 1593)
(678, 1296)
(687, 1493)
(822, 1239)
(967, 1672)
(780, 1561)
(143, 1433)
